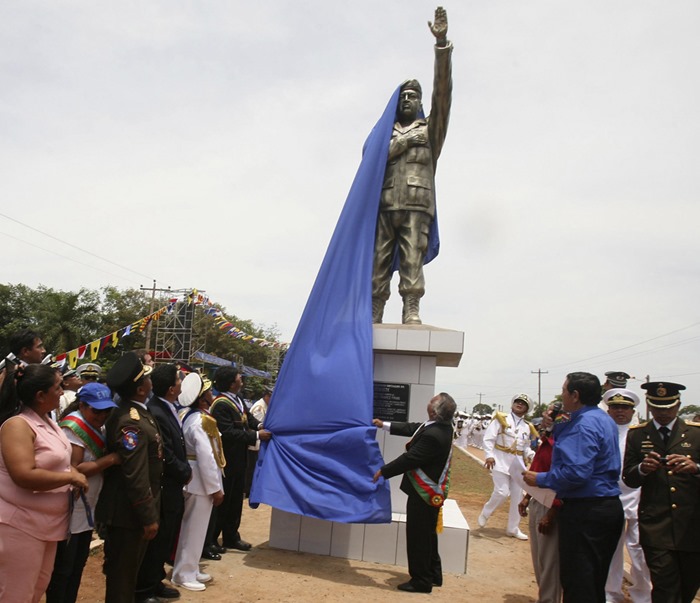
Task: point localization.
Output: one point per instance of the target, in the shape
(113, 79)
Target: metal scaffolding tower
(174, 339)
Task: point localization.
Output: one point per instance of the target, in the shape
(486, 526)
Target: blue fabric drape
(323, 453)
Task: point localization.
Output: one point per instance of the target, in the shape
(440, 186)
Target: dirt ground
(499, 570)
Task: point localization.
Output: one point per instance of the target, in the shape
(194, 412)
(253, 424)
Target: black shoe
(409, 588)
(149, 600)
(240, 545)
(210, 555)
(215, 548)
(165, 592)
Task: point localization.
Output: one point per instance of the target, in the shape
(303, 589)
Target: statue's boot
(411, 306)
(377, 310)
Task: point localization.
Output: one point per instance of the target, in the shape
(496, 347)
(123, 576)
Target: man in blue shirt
(584, 474)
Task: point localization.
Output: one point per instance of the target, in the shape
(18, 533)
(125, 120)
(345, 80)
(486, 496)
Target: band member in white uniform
(507, 437)
(205, 456)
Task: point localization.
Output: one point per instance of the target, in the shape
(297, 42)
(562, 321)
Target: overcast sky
(212, 145)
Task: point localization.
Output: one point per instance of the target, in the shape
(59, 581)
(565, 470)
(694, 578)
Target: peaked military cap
(663, 394)
(621, 397)
(128, 369)
(617, 378)
(523, 398)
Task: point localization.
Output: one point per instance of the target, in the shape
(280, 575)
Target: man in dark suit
(425, 467)
(128, 509)
(176, 473)
(662, 458)
(239, 429)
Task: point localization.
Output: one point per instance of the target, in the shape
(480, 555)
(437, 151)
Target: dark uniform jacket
(130, 496)
(176, 469)
(238, 431)
(669, 508)
(427, 450)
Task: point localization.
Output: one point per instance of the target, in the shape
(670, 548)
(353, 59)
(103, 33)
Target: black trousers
(159, 550)
(675, 575)
(228, 514)
(71, 556)
(424, 564)
(124, 550)
(589, 529)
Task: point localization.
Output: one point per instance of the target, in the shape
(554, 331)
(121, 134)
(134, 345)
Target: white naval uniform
(206, 480)
(640, 589)
(504, 445)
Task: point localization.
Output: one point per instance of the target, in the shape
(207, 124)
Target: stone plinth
(403, 354)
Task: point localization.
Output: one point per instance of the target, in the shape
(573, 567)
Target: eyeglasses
(99, 411)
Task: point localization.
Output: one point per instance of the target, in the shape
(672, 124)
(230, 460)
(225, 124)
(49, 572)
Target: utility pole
(150, 311)
(539, 373)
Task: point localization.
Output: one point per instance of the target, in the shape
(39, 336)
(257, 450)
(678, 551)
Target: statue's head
(410, 97)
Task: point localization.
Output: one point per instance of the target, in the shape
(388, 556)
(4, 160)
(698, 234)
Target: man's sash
(432, 493)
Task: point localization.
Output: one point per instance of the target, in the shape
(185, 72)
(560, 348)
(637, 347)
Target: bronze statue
(407, 205)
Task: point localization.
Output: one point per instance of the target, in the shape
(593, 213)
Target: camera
(663, 460)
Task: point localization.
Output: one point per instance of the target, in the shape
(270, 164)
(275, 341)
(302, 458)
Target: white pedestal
(405, 354)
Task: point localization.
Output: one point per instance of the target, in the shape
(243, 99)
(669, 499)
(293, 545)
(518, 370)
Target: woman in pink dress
(36, 482)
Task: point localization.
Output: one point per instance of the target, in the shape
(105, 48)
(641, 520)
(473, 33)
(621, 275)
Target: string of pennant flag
(93, 349)
(211, 309)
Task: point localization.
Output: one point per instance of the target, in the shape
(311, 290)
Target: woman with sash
(82, 422)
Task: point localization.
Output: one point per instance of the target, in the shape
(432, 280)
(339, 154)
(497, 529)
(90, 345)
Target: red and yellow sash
(91, 437)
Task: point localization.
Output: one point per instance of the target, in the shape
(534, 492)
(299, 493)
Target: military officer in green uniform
(662, 458)
(129, 505)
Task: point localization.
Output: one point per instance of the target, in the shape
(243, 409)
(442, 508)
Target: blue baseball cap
(96, 395)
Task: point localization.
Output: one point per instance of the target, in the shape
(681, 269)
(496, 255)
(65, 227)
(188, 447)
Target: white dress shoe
(202, 577)
(517, 534)
(190, 585)
(481, 520)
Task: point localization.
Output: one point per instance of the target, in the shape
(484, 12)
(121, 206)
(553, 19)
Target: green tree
(690, 410)
(67, 319)
(482, 409)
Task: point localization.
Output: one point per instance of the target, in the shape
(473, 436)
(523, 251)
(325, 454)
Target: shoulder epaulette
(501, 418)
(533, 430)
(693, 423)
(642, 425)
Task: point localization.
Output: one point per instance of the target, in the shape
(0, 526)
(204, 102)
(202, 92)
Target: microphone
(554, 413)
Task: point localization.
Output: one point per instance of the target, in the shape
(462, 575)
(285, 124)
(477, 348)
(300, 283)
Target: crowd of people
(600, 481)
(152, 457)
(156, 458)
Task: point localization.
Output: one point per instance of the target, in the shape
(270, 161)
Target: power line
(91, 253)
(65, 257)
(629, 346)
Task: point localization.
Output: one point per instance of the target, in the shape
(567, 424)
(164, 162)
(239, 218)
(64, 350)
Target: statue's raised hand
(439, 27)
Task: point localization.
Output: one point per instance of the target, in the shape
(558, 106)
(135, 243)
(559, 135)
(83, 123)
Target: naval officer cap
(128, 369)
(522, 398)
(617, 378)
(663, 394)
(89, 370)
(619, 396)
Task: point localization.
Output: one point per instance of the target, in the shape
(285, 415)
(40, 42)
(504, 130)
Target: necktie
(664, 432)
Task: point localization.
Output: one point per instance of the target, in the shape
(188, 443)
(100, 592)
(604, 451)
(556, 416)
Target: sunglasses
(99, 411)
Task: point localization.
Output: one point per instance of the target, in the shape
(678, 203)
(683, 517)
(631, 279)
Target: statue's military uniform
(669, 509)
(130, 497)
